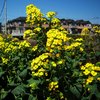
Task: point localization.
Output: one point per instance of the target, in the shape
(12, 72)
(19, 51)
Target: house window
(20, 22)
(21, 30)
(64, 23)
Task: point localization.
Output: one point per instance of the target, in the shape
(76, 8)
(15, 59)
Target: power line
(2, 8)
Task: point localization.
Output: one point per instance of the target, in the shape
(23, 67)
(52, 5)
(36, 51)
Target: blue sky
(68, 9)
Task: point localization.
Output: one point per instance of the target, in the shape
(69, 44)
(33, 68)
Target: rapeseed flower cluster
(1, 39)
(35, 48)
(38, 63)
(4, 60)
(2, 45)
(55, 38)
(96, 27)
(73, 46)
(10, 48)
(79, 40)
(15, 40)
(85, 31)
(55, 22)
(33, 85)
(51, 14)
(27, 32)
(53, 86)
(91, 71)
(37, 29)
(33, 14)
(97, 32)
(24, 44)
(61, 29)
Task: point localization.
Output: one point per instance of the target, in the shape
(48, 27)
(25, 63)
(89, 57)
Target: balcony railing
(72, 26)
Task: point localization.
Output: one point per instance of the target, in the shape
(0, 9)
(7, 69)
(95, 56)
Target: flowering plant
(55, 69)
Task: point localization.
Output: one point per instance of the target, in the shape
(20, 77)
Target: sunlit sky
(88, 10)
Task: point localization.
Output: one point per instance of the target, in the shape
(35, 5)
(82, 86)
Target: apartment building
(16, 24)
(73, 27)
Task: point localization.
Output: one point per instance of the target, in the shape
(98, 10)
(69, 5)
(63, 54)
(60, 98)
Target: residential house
(73, 27)
(16, 24)
(80, 24)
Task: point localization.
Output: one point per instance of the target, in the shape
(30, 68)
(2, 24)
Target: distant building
(73, 27)
(16, 24)
(80, 24)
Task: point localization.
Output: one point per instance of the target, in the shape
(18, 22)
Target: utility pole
(5, 18)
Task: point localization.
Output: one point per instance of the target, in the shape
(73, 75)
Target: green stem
(84, 93)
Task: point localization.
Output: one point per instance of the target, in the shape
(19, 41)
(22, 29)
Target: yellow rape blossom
(1, 39)
(53, 63)
(34, 48)
(37, 29)
(55, 21)
(89, 80)
(98, 78)
(86, 72)
(53, 85)
(79, 39)
(96, 27)
(4, 60)
(27, 32)
(88, 89)
(80, 63)
(33, 85)
(60, 62)
(50, 14)
(61, 28)
(85, 30)
(94, 73)
(57, 55)
(81, 49)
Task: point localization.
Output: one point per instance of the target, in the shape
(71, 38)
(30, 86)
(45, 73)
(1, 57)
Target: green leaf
(84, 98)
(80, 80)
(12, 84)
(97, 53)
(4, 95)
(93, 90)
(18, 90)
(75, 63)
(32, 98)
(30, 81)
(55, 79)
(23, 73)
(1, 73)
(98, 63)
(16, 58)
(69, 59)
(74, 90)
(97, 94)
